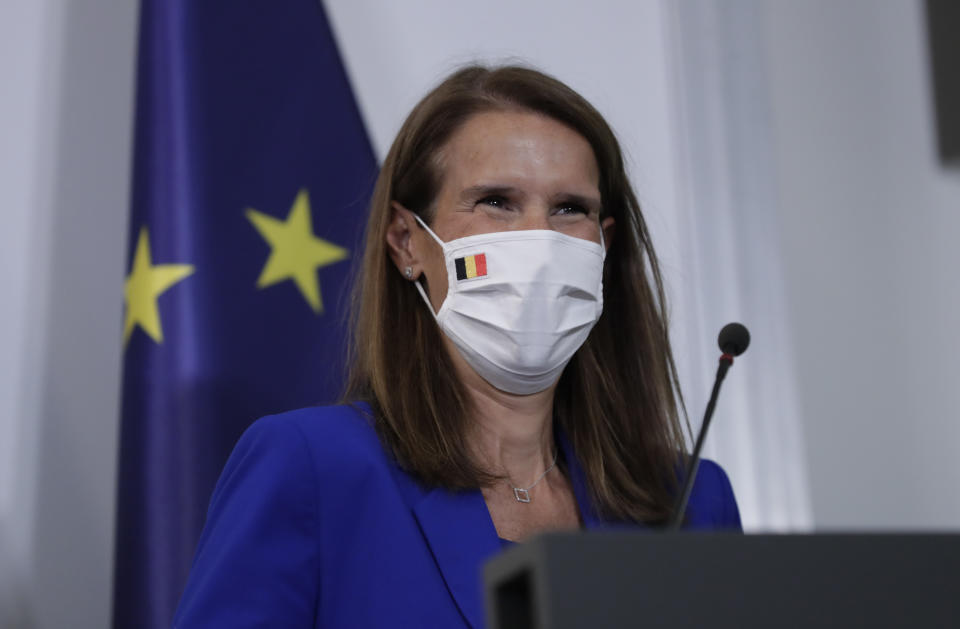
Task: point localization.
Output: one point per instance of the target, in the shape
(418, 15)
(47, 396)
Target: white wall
(21, 63)
(870, 225)
(65, 120)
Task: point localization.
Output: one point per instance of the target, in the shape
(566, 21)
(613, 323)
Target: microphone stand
(676, 520)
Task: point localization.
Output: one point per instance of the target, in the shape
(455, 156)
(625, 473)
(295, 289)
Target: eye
(494, 201)
(572, 208)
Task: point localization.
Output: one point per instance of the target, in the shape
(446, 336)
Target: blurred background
(784, 152)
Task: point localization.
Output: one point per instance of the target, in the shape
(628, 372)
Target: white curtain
(731, 261)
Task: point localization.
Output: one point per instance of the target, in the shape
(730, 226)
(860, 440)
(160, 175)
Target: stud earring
(408, 272)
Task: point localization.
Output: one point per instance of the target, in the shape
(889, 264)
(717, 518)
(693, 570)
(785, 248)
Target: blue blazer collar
(462, 537)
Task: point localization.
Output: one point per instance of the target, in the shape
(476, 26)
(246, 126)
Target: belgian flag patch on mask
(471, 267)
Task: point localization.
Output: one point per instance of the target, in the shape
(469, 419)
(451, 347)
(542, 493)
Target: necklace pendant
(522, 495)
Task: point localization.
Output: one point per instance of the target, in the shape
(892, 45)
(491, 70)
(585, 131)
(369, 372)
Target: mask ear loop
(429, 231)
(426, 299)
(417, 283)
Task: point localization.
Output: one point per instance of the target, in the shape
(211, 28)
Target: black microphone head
(733, 339)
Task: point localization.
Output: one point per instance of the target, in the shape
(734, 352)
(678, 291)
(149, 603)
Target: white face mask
(520, 303)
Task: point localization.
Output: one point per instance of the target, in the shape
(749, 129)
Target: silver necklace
(523, 494)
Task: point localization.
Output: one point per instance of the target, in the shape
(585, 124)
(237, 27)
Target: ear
(608, 227)
(399, 241)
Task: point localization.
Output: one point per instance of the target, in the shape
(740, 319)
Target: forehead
(502, 146)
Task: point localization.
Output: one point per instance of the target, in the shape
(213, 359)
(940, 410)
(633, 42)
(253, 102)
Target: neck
(512, 434)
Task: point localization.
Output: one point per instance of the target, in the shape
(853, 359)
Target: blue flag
(252, 172)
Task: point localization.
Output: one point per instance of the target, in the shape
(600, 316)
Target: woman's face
(504, 171)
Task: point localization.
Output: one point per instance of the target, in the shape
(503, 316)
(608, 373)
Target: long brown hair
(617, 400)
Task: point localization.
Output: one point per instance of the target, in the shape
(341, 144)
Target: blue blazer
(312, 524)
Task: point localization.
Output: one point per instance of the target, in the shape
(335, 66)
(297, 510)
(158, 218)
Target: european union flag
(252, 172)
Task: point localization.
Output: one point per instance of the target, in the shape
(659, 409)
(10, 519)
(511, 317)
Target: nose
(535, 217)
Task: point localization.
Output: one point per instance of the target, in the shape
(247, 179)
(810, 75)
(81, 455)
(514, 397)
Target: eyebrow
(589, 202)
(484, 190)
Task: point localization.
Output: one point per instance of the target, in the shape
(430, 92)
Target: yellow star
(295, 252)
(146, 282)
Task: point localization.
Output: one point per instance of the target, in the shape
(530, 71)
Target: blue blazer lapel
(461, 537)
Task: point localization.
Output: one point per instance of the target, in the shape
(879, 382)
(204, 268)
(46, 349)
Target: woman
(511, 373)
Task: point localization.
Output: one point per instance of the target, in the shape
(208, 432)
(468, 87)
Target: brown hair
(617, 400)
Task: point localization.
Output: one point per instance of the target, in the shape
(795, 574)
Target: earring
(408, 272)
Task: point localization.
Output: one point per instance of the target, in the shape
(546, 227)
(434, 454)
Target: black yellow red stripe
(469, 267)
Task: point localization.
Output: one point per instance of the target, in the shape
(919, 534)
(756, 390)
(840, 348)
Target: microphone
(733, 341)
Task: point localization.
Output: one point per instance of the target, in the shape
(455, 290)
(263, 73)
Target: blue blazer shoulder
(312, 524)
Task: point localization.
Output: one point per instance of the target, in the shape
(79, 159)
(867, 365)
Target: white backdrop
(66, 75)
(783, 154)
(732, 270)
(870, 223)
